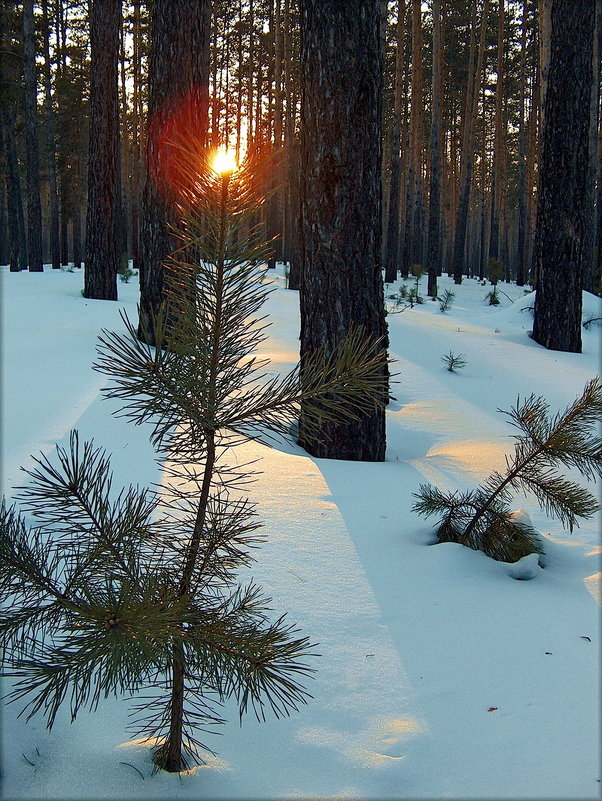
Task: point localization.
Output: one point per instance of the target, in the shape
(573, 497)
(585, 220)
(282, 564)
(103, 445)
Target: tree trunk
(498, 154)
(467, 157)
(532, 155)
(177, 107)
(101, 249)
(50, 141)
(568, 30)
(392, 239)
(34, 208)
(136, 135)
(593, 175)
(434, 244)
(521, 264)
(341, 121)
(412, 253)
(14, 199)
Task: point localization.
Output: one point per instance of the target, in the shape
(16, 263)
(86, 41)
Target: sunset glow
(224, 162)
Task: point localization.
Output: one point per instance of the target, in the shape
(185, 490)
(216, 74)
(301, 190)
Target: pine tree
(340, 219)
(118, 592)
(482, 519)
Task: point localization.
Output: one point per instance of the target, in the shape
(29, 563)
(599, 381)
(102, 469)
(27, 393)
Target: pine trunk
(467, 156)
(14, 198)
(434, 244)
(50, 141)
(568, 30)
(392, 239)
(177, 106)
(34, 208)
(101, 249)
(593, 174)
(497, 170)
(341, 121)
(521, 247)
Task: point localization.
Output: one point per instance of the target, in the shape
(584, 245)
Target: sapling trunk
(173, 751)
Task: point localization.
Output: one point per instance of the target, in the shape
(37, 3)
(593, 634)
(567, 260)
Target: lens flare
(224, 162)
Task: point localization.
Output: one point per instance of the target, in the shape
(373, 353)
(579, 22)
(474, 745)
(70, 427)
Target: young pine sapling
(453, 362)
(446, 300)
(139, 592)
(482, 518)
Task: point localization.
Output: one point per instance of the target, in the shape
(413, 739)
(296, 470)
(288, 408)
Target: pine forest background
(474, 121)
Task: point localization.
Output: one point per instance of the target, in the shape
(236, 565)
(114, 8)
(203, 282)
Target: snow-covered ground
(440, 676)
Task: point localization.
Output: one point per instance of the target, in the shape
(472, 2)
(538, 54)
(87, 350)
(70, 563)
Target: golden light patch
(211, 762)
(475, 456)
(593, 585)
(366, 747)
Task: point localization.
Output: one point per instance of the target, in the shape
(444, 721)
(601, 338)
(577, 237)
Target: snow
(439, 676)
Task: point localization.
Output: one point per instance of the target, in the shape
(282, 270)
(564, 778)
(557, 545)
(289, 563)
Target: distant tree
(102, 252)
(434, 225)
(177, 107)
(50, 143)
(14, 201)
(521, 268)
(498, 167)
(413, 246)
(34, 208)
(568, 29)
(467, 157)
(392, 238)
(341, 286)
(10, 79)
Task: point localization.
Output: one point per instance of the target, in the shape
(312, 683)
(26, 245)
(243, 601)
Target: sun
(224, 162)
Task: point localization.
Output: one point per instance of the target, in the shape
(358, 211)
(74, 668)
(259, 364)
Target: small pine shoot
(446, 300)
(482, 519)
(454, 362)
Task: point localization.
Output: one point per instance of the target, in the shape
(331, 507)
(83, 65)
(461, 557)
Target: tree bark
(521, 268)
(593, 175)
(341, 121)
(50, 130)
(568, 30)
(14, 199)
(392, 239)
(412, 252)
(467, 157)
(498, 149)
(177, 107)
(101, 249)
(34, 208)
(434, 244)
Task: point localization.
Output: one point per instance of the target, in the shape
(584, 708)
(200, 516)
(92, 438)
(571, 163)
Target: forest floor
(440, 675)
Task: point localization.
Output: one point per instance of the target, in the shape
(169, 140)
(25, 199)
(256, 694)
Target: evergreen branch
(246, 657)
(340, 387)
(482, 518)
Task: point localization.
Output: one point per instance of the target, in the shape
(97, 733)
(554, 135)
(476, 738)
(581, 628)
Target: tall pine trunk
(412, 253)
(434, 244)
(50, 142)
(392, 238)
(467, 157)
(498, 150)
(101, 249)
(177, 107)
(14, 198)
(341, 124)
(568, 28)
(34, 207)
(521, 248)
